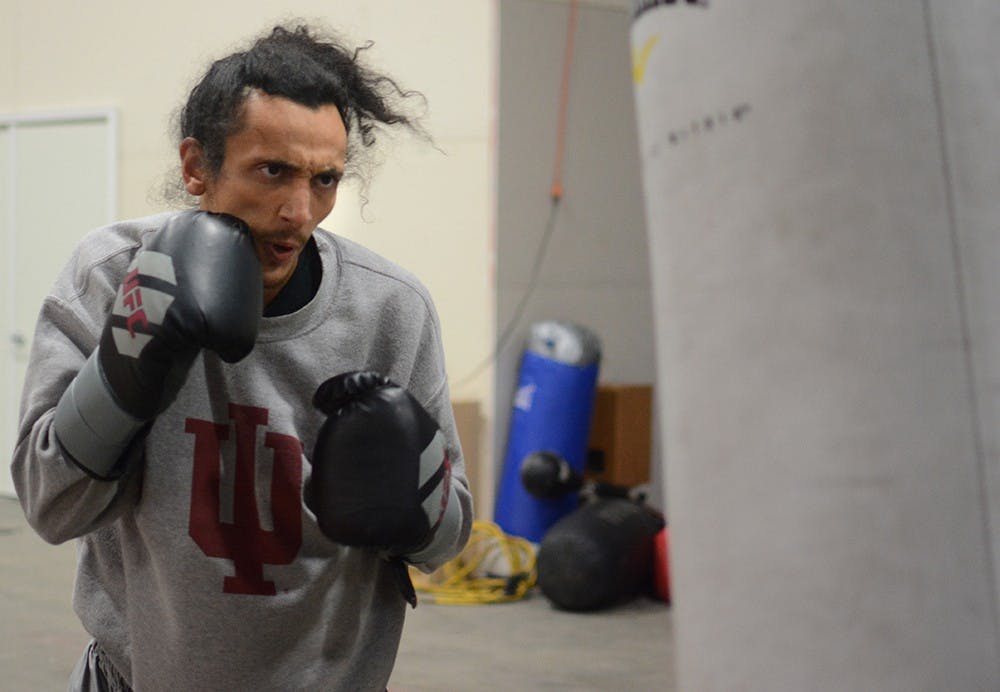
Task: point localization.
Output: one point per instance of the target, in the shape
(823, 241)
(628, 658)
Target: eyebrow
(336, 173)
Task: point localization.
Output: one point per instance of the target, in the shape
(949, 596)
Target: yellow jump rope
(493, 568)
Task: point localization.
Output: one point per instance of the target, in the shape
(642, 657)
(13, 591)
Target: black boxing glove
(196, 284)
(381, 476)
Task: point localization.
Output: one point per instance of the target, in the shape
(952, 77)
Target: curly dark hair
(301, 65)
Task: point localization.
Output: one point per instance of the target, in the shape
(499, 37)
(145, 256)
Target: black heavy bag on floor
(598, 555)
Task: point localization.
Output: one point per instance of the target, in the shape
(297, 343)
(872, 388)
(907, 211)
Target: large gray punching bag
(822, 188)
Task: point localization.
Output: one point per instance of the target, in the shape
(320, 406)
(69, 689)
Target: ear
(193, 169)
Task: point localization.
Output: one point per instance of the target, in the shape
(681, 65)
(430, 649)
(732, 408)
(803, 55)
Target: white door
(57, 182)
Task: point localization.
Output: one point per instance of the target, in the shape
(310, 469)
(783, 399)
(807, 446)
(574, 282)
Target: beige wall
(429, 209)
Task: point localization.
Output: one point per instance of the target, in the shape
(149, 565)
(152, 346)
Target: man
(174, 429)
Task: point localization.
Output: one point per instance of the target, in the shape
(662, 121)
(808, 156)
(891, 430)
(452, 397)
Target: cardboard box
(621, 434)
(469, 422)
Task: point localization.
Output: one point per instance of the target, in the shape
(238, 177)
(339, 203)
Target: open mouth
(279, 253)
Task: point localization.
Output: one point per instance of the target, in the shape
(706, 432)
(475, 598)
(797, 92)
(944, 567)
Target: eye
(327, 180)
(272, 170)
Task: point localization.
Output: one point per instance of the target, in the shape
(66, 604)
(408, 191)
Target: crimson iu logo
(243, 540)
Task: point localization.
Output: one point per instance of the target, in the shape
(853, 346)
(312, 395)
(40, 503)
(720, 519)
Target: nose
(295, 205)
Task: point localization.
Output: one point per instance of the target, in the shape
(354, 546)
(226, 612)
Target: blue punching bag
(551, 414)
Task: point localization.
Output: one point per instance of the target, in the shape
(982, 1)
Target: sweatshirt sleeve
(456, 526)
(429, 375)
(59, 500)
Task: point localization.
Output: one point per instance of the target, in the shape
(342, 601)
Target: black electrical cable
(508, 331)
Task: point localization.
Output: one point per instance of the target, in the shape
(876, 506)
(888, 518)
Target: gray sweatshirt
(204, 570)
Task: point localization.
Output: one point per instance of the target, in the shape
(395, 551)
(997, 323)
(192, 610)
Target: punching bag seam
(964, 322)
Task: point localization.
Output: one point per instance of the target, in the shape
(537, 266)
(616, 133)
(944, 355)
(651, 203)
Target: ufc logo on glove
(142, 303)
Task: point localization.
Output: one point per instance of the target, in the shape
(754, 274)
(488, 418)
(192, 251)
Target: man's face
(279, 175)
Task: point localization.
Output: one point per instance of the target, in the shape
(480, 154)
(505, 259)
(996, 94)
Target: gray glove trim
(90, 425)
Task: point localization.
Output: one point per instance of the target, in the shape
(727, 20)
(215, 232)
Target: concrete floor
(522, 645)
